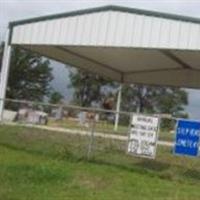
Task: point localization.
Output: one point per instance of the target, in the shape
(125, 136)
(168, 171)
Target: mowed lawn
(37, 164)
(104, 127)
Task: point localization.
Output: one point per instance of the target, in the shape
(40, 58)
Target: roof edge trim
(107, 8)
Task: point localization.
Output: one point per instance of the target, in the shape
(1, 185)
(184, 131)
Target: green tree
(137, 98)
(147, 99)
(29, 76)
(55, 98)
(88, 87)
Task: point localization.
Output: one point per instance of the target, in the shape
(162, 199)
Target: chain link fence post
(91, 139)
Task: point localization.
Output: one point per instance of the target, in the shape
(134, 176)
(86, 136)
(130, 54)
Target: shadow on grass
(192, 174)
(65, 155)
(153, 165)
(139, 168)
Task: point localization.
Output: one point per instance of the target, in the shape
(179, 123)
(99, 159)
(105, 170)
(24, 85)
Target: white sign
(143, 136)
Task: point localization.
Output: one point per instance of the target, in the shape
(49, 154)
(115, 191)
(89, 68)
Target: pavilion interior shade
(154, 67)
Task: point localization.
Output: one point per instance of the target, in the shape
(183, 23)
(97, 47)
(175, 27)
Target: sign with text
(143, 136)
(187, 138)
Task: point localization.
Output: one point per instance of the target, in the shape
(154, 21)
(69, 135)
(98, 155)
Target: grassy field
(39, 165)
(100, 126)
(104, 127)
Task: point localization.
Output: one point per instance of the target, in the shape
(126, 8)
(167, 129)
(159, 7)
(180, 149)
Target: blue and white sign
(187, 138)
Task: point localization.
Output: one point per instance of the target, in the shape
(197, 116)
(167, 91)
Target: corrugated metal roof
(110, 29)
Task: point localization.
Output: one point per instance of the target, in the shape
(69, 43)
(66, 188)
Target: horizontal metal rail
(89, 109)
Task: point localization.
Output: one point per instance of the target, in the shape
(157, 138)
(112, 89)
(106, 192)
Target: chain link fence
(93, 128)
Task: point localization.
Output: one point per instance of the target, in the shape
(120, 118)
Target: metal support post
(118, 107)
(4, 73)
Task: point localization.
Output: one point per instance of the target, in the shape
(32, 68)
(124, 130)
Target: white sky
(11, 10)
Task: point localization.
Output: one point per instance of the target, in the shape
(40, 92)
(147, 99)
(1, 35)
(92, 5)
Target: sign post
(143, 136)
(187, 138)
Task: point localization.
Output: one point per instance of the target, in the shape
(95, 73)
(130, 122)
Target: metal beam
(173, 57)
(152, 70)
(4, 73)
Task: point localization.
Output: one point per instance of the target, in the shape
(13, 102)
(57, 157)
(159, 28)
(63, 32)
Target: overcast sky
(11, 10)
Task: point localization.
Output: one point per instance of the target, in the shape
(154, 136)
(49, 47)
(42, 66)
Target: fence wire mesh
(94, 129)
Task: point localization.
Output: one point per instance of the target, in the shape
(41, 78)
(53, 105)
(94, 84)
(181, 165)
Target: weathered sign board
(187, 138)
(143, 134)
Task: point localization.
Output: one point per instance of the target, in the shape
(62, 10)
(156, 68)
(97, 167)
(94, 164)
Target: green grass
(40, 165)
(165, 135)
(104, 127)
(101, 126)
